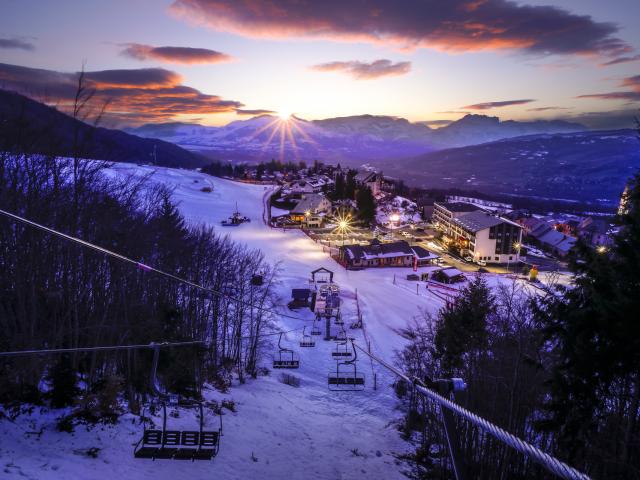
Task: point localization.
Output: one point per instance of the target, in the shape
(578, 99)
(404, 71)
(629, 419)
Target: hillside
(351, 140)
(591, 166)
(38, 128)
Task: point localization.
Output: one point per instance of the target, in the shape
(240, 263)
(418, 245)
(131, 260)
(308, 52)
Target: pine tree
(338, 190)
(594, 332)
(461, 332)
(366, 205)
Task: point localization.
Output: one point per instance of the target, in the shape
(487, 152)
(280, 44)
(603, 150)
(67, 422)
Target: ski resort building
(478, 234)
(445, 212)
(311, 205)
(377, 254)
(373, 180)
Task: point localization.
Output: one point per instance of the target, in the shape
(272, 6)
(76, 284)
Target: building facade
(478, 234)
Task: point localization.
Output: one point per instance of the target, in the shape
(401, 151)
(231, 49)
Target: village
(366, 220)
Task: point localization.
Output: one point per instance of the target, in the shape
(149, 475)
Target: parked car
(468, 258)
(482, 263)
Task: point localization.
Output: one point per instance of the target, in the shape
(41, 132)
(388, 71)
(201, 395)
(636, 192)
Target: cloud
(545, 109)
(134, 96)
(16, 43)
(258, 111)
(632, 95)
(489, 105)
(619, 60)
(454, 25)
(454, 111)
(366, 71)
(186, 55)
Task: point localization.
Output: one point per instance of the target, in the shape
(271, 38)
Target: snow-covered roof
(309, 203)
(451, 272)
(424, 254)
(476, 221)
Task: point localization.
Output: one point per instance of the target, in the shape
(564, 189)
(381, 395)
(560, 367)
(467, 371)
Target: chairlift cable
(549, 462)
(53, 351)
(144, 267)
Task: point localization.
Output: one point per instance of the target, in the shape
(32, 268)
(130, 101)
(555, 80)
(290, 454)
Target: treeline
(227, 169)
(57, 294)
(560, 370)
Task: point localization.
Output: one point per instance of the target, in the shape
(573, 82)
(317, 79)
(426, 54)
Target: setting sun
(284, 115)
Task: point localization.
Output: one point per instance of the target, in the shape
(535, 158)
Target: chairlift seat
(208, 446)
(204, 454)
(286, 364)
(340, 354)
(347, 382)
(316, 331)
(151, 441)
(307, 343)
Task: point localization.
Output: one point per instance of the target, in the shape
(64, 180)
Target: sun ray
(281, 141)
(306, 136)
(293, 142)
(268, 141)
(263, 128)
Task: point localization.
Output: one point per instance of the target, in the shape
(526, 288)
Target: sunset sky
(217, 61)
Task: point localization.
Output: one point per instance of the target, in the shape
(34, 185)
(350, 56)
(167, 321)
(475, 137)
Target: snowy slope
(305, 432)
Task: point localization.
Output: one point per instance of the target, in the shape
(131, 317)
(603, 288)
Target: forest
(560, 369)
(56, 294)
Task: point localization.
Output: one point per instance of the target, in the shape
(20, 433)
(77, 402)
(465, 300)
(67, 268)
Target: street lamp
(342, 227)
(602, 249)
(516, 247)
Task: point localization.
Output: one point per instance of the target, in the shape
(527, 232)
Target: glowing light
(343, 225)
(601, 249)
(517, 246)
(284, 116)
(394, 217)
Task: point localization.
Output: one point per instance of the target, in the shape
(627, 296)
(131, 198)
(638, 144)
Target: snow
(305, 432)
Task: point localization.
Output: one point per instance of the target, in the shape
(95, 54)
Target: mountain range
(582, 166)
(30, 126)
(350, 140)
(551, 159)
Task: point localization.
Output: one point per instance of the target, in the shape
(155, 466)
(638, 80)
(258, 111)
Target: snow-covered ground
(278, 431)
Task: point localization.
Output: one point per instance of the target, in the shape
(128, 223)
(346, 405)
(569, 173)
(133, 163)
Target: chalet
(373, 180)
(377, 254)
(310, 204)
(448, 275)
(423, 257)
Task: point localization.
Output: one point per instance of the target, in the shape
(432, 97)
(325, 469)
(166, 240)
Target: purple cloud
(185, 55)
(489, 105)
(258, 111)
(632, 95)
(545, 109)
(454, 25)
(366, 71)
(146, 94)
(16, 43)
(619, 60)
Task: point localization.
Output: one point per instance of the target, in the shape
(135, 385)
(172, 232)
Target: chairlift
(307, 340)
(338, 320)
(176, 444)
(346, 376)
(342, 350)
(341, 336)
(315, 330)
(285, 358)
